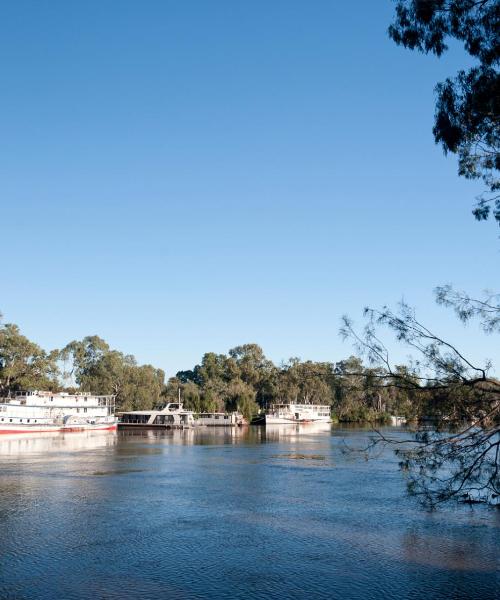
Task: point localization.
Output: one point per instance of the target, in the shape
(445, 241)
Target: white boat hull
(272, 420)
(45, 411)
(294, 412)
(6, 428)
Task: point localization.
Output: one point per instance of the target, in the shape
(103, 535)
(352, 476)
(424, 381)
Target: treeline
(243, 379)
(246, 380)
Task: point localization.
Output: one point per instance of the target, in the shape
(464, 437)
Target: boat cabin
(172, 416)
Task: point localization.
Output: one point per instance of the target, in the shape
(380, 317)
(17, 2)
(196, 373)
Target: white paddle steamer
(298, 413)
(36, 412)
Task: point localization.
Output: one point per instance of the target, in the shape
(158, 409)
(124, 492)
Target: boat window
(226, 417)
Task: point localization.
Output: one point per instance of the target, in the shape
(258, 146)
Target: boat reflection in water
(13, 444)
(184, 437)
(276, 433)
(187, 437)
(226, 435)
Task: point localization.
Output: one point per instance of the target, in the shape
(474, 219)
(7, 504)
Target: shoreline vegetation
(452, 452)
(243, 380)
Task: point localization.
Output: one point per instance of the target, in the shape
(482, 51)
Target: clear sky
(186, 176)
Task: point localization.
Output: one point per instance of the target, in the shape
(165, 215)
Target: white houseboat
(298, 413)
(172, 416)
(221, 419)
(36, 412)
(397, 420)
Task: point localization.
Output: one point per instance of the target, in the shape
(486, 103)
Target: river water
(246, 513)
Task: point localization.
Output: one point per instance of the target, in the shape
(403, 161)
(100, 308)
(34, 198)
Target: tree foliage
(98, 369)
(243, 380)
(485, 309)
(468, 104)
(23, 364)
(246, 380)
(459, 456)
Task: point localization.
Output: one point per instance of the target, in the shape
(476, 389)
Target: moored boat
(37, 412)
(398, 420)
(172, 416)
(298, 413)
(221, 419)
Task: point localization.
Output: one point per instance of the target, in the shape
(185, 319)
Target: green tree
(312, 381)
(23, 364)
(349, 390)
(98, 369)
(468, 104)
(142, 387)
(191, 394)
(249, 363)
(401, 394)
(240, 396)
(212, 368)
(459, 459)
(192, 398)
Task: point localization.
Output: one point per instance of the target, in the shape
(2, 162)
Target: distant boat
(298, 413)
(37, 412)
(259, 419)
(172, 416)
(221, 419)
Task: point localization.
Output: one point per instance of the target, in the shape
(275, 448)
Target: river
(280, 512)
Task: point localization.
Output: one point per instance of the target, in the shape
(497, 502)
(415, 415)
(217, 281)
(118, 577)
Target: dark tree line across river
(243, 379)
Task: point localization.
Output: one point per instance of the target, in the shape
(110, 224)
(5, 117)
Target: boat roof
(309, 404)
(64, 394)
(139, 412)
(156, 412)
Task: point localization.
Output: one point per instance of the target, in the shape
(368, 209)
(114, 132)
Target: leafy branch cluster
(459, 456)
(468, 105)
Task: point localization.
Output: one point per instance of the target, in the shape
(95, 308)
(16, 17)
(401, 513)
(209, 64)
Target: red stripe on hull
(60, 429)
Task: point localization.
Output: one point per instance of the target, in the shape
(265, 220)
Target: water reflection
(42, 443)
(24, 444)
(293, 432)
(226, 435)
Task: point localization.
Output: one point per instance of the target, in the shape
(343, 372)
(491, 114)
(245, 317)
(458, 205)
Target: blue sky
(186, 176)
